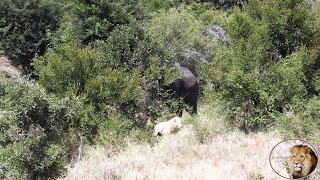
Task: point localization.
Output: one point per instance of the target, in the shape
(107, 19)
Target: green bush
(71, 70)
(99, 18)
(117, 130)
(234, 70)
(66, 69)
(311, 115)
(289, 22)
(122, 48)
(24, 26)
(113, 131)
(88, 21)
(268, 63)
(185, 41)
(115, 91)
(152, 6)
(302, 120)
(151, 53)
(183, 35)
(155, 5)
(33, 128)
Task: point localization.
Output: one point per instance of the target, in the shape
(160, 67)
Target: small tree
(24, 26)
(264, 67)
(99, 18)
(66, 69)
(72, 70)
(34, 127)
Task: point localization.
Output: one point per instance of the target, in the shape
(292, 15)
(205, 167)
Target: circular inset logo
(293, 159)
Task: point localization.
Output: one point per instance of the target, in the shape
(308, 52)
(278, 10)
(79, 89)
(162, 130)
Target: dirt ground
(8, 68)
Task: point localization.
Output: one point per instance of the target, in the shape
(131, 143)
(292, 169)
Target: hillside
(96, 75)
(225, 154)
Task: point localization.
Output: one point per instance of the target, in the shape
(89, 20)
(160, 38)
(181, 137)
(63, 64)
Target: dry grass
(232, 155)
(228, 155)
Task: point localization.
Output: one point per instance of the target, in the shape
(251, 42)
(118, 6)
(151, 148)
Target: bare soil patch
(8, 68)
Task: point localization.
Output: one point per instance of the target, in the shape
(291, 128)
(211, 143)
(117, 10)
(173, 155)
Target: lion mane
(302, 161)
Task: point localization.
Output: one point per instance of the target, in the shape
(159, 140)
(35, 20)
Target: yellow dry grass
(228, 154)
(233, 155)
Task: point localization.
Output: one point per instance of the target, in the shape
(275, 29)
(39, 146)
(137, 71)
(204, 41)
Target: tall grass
(206, 148)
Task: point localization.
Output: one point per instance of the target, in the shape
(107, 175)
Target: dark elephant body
(185, 87)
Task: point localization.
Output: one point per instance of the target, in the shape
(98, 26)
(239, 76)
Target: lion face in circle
(302, 161)
(298, 159)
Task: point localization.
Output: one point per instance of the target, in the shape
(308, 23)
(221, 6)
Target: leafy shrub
(117, 130)
(120, 49)
(113, 131)
(66, 69)
(185, 42)
(311, 71)
(235, 72)
(311, 115)
(267, 64)
(211, 122)
(150, 53)
(88, 21)
(288, 22)
(184, 36)
(24, 26)
(99, 18)
(155, 5)
(115, 91)
(33, 126)
(71, 70)
(301, 121)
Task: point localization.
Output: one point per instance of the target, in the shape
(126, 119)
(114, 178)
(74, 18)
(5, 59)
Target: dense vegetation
(99, 68)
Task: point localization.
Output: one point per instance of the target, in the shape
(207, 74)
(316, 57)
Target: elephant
(185, 87)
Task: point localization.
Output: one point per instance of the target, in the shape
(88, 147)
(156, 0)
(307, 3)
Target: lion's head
(302, 161)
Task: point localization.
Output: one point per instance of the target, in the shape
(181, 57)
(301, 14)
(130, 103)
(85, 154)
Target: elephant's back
(191, 84)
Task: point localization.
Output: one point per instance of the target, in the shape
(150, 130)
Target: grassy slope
(224, 154)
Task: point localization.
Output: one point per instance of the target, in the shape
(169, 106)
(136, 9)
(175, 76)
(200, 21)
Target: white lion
(171, 126)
